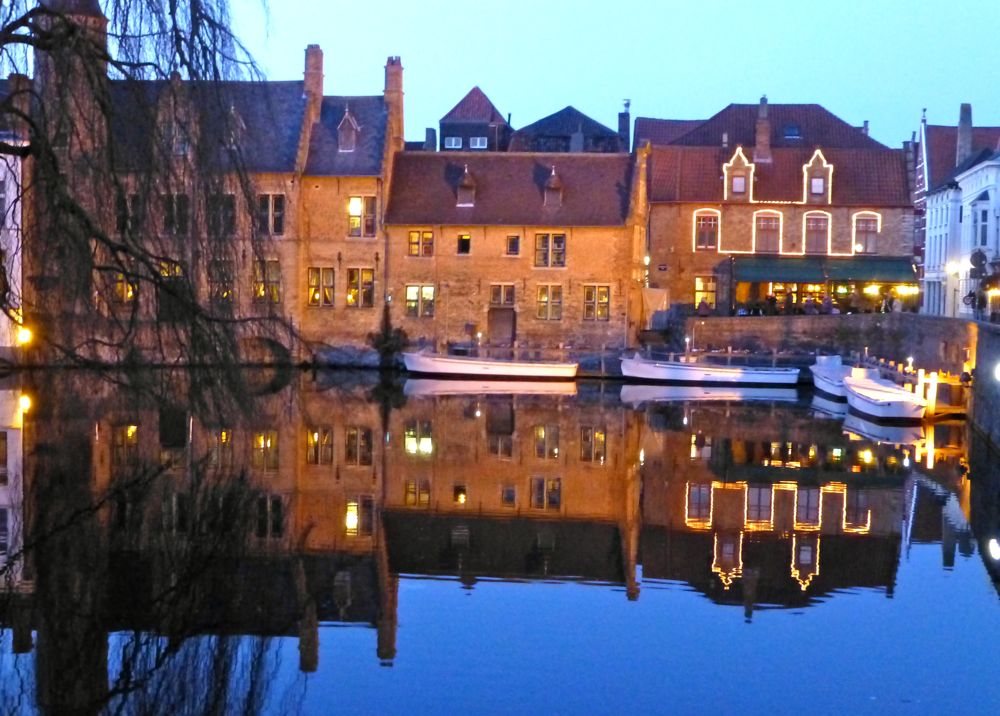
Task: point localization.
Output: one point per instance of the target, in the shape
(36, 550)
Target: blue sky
(878, 60)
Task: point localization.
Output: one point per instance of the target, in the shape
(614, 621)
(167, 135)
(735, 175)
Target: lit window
(460, 495)
(417, 494)
(361, 216)
(124, 289)
(320, 292)
(359, 516)
(125, 446)
(817, 186)
(704, 289)
(271, 214)
(266, 281)
(546, 493)
(477, 143)
(319, 446)
(739, 184)
(265, 450)
(360, 288)
(596, 303)
(464, 244)
(550, 250)
(593, 444)
(418, 438)
(549, 302)
(452, 142)
(419, 301)
(220, 455)
(706, 231)
(358, 448)
(547, 442)
(420, 243)
(220, 281)
(865, 235)
(502, 294)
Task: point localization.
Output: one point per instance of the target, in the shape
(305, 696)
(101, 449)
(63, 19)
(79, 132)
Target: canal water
(289, 542)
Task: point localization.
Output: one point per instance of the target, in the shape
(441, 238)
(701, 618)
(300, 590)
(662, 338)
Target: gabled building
(570, 130)
(475, 124)
(770, 207)
(536, 250)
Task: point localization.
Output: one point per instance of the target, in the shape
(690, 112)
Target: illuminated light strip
(725, 173)
(827, 177)
(698, 523)
(694, 228)
(729, 576)
(768, 213)
(866, 214)
(796, 575)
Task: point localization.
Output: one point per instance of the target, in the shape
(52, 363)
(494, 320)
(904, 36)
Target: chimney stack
(394, 100)
(430, 140)
(762, 147)
(313, 80)
(963, 146)
(864, 128)
(625, 125)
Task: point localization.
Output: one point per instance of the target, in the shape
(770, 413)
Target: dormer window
(817, 186)
(737, 177)
(792, 131)
(817, 178)
(347, 132)
(466, 189)
(739, 184)
(553, 190)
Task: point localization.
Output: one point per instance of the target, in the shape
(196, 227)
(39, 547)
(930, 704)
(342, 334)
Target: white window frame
(478, 143)
(452, 142)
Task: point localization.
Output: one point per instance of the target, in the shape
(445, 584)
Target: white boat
(828, 374)
(420, 387)
(883, 400)
(638, 394)
(436, 364)
(894, 434)
(687, 369)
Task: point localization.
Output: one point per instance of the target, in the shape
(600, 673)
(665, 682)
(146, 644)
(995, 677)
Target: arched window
(767, 226)
(867, 226)
(816, 232)
(706, 229)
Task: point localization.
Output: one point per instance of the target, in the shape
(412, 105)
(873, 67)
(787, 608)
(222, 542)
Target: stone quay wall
(986, 388)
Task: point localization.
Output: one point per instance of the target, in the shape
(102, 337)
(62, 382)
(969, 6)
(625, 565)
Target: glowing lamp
(867, 457)
(909, 363)
(354, 206)
(24, 402)
(858, 248)
(23, 336)
(996, 372)
(645, 260)
(351, 518)
(872, 290)
(994, 549)
(952, 267)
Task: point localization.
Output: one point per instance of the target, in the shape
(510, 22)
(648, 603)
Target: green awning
(820, 269)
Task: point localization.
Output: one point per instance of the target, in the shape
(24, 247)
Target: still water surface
(311, 543)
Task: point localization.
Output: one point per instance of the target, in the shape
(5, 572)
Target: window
(508, 495)
(128, 213)
(546, 493)
(983, 226)
(221, 215)
(477, 142)
(418, 438)
(464, 244)
(706, 231)
(359, 517)
(124, 290)
(501, 445)
(172, 294)
(419, 301)
(547, 442)
(319, 446)
(266, 281)
(704, 288)
(817, 186)
(459, 494)
(177, 513)
(502, 294)
(358, 445)
(701, 446)
(550, 250)
(593, 444)
(768, 233)
(817, 233)
(856, 511)
(3, 458)
(865, 235)
(807, 505)
(452, 142)
(125, 446)
(4, 534)
(549, 303)
(513, 245)
(421, 243)
(739, 184)
(699, 505)
(176, 214)
(596, 303)
(759, 503)
(270, 517)
(320, 291)
(361, 216)
(360, 288)
(417, 493)
(220, 453)
(3, 203)
(265, 450)
(271, 214)
(792, 131)
(220, 281)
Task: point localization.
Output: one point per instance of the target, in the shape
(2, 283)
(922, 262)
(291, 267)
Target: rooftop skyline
(882, 62)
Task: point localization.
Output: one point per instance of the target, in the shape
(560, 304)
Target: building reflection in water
(158, 514)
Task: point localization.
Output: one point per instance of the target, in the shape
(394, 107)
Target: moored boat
(883, 400)
(442, 365)
(688, 369)
(828, 373)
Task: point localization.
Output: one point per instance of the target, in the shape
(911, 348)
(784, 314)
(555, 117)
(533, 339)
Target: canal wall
(986, 387)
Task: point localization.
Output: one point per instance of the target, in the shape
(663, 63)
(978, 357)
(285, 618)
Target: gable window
(221, 215)
(319, 446)
(706, 231)
(549, 303)
(419, 301)
(464, 245)
(420, 243)
(513, 245)
(866, 234)
(546, 493)
(596, 303)
(271, 214)
(502, 294)
(176, 214)
(593, 444)
(704, 290)
(477, 143)
(361, 216)
(550, 250)
(739, 184)
(358, 446)
(817, 233)
(360, 288)
(767, 233)
(320, 291)
(265, 450)
(266, 281)
(792, 131)
(817, 186)
(452, 142)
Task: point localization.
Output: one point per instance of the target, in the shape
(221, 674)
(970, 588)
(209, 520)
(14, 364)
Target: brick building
(475, 124)
(535, 249)
(786, 201)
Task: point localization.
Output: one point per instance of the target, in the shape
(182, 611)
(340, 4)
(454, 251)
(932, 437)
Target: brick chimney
(313, 79)
(963, 145)
(762, 147)
(625, 126)
(394, 100)
(430, 140)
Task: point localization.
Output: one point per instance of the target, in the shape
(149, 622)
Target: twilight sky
(881, 60)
